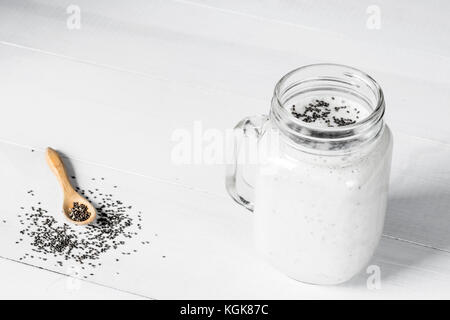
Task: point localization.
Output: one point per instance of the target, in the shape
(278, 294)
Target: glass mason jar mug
(320, 192)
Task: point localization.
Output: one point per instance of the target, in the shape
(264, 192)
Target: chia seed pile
(79, 212)
(81, 245)
(319, 110)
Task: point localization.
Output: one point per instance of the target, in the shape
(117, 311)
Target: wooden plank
(20, 281)
(144, 113)
(418, 26)
(142, 72)
(205, 240)
(235, 53)
(134, 25)
(419, 198)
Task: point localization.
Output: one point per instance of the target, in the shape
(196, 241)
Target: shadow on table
(417, 217)
(71, 172)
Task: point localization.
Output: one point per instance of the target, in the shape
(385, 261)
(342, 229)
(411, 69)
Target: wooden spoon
(70, 195)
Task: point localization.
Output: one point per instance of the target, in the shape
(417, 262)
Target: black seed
(81, 245)
(79, 212)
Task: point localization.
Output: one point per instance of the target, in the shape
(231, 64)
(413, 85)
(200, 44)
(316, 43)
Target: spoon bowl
(70, 195)
(68, 203)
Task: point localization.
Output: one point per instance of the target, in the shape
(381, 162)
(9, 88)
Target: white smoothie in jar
(319, 217)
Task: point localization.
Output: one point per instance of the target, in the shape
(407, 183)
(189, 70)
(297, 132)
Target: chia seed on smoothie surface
(326, 112)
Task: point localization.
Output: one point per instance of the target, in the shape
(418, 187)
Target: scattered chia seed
(320, 110)
(343, 121)
(73, 244)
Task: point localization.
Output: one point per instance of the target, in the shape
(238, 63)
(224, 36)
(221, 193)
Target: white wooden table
(135, 71)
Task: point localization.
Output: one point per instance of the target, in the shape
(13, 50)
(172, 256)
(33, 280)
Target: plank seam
(68, 276)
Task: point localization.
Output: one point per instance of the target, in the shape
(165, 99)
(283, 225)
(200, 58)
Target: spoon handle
(57, 166)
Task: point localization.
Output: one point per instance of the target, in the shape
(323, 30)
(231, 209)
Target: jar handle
(239, 177)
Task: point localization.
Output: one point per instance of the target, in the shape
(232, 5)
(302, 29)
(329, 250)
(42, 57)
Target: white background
(138, 70)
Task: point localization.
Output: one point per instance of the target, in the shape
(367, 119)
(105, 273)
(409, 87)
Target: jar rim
(376, 113)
